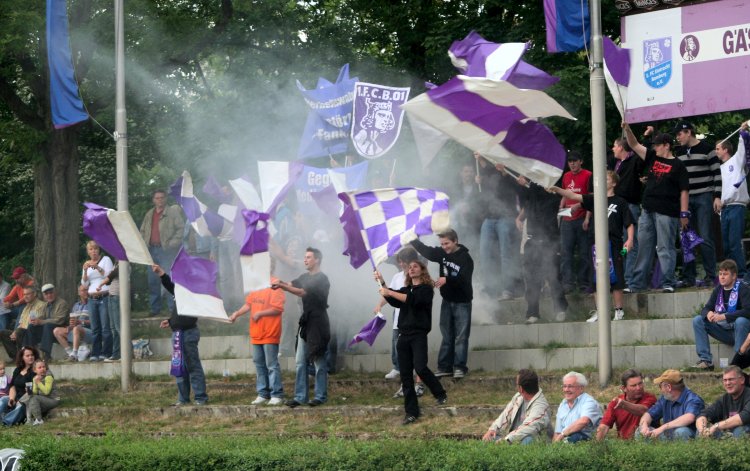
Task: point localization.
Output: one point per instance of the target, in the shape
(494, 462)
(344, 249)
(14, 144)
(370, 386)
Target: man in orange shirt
(265, 307)
(14, 300)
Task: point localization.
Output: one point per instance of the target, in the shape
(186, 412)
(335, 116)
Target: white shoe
(259, 400)
(275, 401)
(594, 317)
(38, 422)
(560, 316)
(532, 320)
(393, 374)
(619, 314)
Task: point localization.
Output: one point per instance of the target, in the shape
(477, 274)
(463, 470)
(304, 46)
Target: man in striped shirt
(705, 197)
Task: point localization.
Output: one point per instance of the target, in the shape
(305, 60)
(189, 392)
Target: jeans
(3, 405)
(574, 238)
(113, 314)
(540, 264)
(502, 232)
(702, 328)
(102, 345)
(15, 416)
(732, 230)
(701, 210)
(301, 384)
(268, 372)
(630, 258)
(655, 232)
(164, 258)
(412, 356)
(576, 437)
(195, 377)
(455, 325)
(679, 433)
(48, 338)
(394, 349)
(6, 320)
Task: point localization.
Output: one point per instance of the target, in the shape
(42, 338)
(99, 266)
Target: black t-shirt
(316, 286)
(629, 172)
(618, 217)
(666, 179)
(19, 381)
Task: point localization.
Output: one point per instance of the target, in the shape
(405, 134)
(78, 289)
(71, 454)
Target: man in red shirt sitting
(625, 410)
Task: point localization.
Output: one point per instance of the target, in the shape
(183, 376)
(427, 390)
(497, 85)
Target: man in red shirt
(625, 410)
(574, 229)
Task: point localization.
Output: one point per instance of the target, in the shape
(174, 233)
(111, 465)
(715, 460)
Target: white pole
(121, 139)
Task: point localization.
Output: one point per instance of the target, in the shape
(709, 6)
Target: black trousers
(541, 263)
(412, 356)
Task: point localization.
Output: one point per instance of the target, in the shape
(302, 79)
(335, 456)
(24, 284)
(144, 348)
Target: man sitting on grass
(578, 414)
(677, 408)
(526, 417)
(731, 412)
(626, 410)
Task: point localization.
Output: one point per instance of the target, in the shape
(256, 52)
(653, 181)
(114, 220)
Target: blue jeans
(268, 372)
(114, 324)
(630, 258)
(573, 238)
(301, 384)
(701, 210)
(15, 416)
(100, 327)
(455, 326)
(702, 328)
(732, 230)
(164, 258)
(502, 233)
(656, 232)
(6, 321)
(576, 437)
(195, 377)
(394, 350)
(3, 405)
(679, 433)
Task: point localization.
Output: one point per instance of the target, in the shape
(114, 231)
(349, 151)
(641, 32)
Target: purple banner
(377, 118)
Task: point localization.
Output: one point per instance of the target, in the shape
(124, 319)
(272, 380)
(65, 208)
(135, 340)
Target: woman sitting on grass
(22, 375)
(414, 323)
(43, 397)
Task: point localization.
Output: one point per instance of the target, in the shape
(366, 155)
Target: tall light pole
(121, 140)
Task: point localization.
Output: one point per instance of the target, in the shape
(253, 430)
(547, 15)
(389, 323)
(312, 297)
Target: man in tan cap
(677, 408)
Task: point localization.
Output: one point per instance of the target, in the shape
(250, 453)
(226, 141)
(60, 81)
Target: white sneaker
(560, 316)
(259, 400)
(393, 374)
(38, 422)
(532, 320)
(594, 316)
(619, 314)
(275, 401)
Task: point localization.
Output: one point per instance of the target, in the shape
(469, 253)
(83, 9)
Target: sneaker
(93, 359)
(315, 403)
(38, 422)
(703, 365)
(259, 401)
(441, 373)
(179, 404)
(458, 373)
(684, 284)
(111, 360)
(408, 420)
(200, 403)
(72, 357)
(399, 393)
(505, 296)
(441, 401)
(667, 289)
(292, 404)
(393, 374)
(619, 314)
(594, 316)
(275, 401)
(419, 389)
(532, 320)
(560, 316)
(629, 290)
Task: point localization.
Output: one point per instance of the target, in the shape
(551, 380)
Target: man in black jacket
(731, 412)
(189, 335)
(456, 269)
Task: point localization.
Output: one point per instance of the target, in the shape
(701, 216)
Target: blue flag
(66, 104)
(567, 25)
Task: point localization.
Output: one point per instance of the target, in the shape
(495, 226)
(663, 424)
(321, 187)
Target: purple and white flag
(617, 72)
(116, 233)
(215, 191)
(276, 178)
(204, 220)
(370, 331)
(195, 289)
(378, 223)
(482, 114)
(377, 118)
(254, 257)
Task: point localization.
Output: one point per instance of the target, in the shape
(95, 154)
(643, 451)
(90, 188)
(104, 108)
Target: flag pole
(121, 152)
(601, 237)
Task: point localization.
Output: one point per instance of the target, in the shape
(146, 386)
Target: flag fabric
(378, 223)
(116, 233)
(65, 102)
(315, 180)
(617, 72)
(567, 24)
(481, 114)
(254, 258)
(429, 140)
(276, 178)
(206, 222)
(376, 118)
(329, 121)
(476, 57)
(214, 190)
(195, 289)
(370, 331)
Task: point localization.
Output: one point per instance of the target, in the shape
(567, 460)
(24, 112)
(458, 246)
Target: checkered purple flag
(204, 220)
(377, 223)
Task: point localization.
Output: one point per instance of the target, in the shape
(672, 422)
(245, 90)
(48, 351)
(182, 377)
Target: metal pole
(121, 139)
(601, 236)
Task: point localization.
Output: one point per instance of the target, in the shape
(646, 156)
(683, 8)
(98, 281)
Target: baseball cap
(669, 376)
(662, 139)
(48, 287)
(573, 155)
(683, 126)
(17, 272)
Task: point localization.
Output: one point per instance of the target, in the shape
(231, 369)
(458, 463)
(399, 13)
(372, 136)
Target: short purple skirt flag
(116, 233)
(370, 331)
(689, 239)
